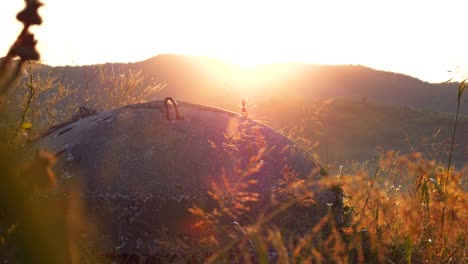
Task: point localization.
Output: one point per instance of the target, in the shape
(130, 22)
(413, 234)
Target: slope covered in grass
(350, 130)
(218, 83)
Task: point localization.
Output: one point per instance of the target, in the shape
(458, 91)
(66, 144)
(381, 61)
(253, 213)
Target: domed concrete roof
(140, 172)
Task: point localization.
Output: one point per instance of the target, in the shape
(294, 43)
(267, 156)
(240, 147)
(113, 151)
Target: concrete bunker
(141, 167)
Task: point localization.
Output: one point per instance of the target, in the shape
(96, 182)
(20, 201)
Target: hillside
(351, 130)
(218, 83)
(370, 108)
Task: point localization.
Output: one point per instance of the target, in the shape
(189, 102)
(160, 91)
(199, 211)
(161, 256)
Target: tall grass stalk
(461, 88)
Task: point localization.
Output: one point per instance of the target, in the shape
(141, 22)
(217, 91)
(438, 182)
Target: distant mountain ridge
(372, 108)
(217, 83)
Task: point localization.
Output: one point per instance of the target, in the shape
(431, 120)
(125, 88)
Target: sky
(424, 39)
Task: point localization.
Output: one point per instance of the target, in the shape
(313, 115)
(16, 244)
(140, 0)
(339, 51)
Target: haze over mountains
(217, 83)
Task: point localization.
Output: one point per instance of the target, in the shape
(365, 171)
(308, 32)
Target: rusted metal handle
(176, 109)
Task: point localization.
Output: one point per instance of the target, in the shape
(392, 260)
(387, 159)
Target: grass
(393, 215)
(402, 208)
(408, 210)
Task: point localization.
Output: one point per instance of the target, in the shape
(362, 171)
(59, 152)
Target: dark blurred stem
(5, 87)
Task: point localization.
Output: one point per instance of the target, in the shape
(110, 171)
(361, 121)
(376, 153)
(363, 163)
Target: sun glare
(250, 33)
(248, 61)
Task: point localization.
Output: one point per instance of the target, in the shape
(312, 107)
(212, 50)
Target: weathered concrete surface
(140, 172)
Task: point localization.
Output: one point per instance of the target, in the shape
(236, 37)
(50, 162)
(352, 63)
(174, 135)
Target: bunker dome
(141, 167)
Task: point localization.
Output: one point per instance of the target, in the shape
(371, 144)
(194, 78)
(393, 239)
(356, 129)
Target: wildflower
(29, 16)
(338, 176)
(25, 47)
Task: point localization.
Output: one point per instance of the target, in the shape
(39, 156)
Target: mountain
(370, 108)
(217, 83)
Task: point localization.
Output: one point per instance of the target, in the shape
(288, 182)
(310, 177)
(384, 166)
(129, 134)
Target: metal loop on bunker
(176, 109)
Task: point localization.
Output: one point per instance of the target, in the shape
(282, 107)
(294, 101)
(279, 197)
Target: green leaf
(26, 125)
